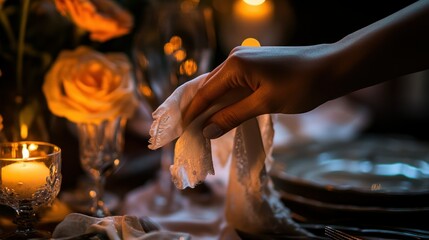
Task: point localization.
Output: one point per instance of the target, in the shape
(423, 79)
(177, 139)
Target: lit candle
(24, 176)
(254, 11)
(249, 19)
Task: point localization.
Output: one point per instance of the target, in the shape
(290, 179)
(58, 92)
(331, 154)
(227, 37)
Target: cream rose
(87, 86)
(104, 19)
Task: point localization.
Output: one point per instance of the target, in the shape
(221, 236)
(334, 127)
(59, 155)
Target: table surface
(141, 165)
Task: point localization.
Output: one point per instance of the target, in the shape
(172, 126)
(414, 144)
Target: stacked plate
(371, 180)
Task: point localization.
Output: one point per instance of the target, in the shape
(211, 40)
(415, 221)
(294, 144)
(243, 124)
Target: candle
(249, 19)
(270, 22)
(24, 175)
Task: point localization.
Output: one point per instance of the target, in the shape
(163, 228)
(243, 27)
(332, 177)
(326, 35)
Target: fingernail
(212, 131)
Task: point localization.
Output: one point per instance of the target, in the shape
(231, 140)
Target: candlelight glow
(26, 174)
(25, 152)
(92, 193)
(176, 42)
(250, 42)
(116, 162)
(146, 91)
(180, 55)
(254, 12)
(254, 2)
(168, 48)
(174, 48)
(24, 131)
(33, 147)
(188, 67)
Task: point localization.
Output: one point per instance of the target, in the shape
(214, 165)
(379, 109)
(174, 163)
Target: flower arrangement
(104, 19)
(87, 86)
(42, 40)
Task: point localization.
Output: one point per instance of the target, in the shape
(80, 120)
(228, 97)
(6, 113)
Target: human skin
(294, 80)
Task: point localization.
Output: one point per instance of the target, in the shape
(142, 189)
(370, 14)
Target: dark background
(392, 110)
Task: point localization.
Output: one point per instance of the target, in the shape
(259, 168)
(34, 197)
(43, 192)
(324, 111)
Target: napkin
(198, 213)
(251, 205)
(114, 227)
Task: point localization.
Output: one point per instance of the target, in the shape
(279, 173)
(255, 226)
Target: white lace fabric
(251, 205)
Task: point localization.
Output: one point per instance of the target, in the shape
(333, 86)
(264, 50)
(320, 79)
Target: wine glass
(175, 43)
(100, 149)
(30, 179)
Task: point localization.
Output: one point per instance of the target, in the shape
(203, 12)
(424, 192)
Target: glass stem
(25, 218)
(98, 208)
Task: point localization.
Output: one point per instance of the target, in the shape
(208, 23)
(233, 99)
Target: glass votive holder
(30, 178)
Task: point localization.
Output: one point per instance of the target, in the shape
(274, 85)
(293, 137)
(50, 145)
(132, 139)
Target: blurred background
(397, 107)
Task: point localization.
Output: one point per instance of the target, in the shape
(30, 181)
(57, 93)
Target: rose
(87, 86)
(104, 19)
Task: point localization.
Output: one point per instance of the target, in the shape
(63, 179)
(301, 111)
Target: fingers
(213, 88)
(233, 115)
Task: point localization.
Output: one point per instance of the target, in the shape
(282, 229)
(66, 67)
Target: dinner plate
(309, 210)
(372, 171)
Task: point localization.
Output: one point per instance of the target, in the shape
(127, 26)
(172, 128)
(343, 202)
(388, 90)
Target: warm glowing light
(92, 193)
(25, 177)
(176, 42)
(188, 67)
(116, 162)
(25, 152)
(33, 147)
(254, 2)
(250, 42)
(145, 90)
(168, 48)
(180, 55)
(254, 13)
(174, 48)
(24, 131)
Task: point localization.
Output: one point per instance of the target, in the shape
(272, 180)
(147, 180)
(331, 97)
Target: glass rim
(55, 149)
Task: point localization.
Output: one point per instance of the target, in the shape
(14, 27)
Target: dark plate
(371, 171)
(313, 211)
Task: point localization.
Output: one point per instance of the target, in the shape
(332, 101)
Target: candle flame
(24, 131)
(254, 2)
(25, 152)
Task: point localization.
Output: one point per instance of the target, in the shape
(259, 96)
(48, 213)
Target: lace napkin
(251, 203)
(114, 228)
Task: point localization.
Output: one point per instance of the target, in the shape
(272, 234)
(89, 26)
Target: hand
(297, 79)
(275, 79)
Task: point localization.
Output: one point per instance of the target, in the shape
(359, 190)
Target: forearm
(389, 48)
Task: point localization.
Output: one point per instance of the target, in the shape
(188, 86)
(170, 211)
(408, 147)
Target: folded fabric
(200, 214)
(251, 203)
(114, 228)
